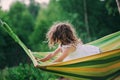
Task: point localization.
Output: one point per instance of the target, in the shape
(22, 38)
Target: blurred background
(31, 19)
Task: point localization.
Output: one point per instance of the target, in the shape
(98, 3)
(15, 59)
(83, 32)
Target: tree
(3, 16)
(21, 21)
(111, 7)
(83, 11)
(97, 18)
(34, 8)
(86, 19)
(45, 19)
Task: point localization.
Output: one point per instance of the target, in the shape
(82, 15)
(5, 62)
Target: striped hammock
(104, 66)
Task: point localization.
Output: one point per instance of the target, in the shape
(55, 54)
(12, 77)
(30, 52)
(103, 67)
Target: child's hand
(37, 59)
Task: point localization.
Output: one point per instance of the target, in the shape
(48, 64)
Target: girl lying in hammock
(69, 45)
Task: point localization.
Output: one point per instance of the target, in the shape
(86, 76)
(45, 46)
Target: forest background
(92, 19)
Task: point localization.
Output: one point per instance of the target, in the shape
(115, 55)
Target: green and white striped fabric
(104, 66)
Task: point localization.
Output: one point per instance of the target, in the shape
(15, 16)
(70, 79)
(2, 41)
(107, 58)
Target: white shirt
(81, 51)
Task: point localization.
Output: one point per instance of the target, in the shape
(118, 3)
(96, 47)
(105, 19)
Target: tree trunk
(0, 4)
(118, 4)
(86, 20)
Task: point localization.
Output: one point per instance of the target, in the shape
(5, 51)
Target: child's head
(61, 33)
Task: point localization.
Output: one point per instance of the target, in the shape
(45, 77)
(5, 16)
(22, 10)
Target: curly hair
(62, 33)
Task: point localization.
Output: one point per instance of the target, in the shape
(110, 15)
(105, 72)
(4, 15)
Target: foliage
(31, 23)
(98, 17)
(25, 72)
(34, 8)
(111, 6)
(45, 19)
(3, 15)
(22, 23)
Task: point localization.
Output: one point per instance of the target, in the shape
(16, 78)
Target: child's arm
(49, 56)
(65, 53)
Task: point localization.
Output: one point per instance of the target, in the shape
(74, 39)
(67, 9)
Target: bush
(25, 72)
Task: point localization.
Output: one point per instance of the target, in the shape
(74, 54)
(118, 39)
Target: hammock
(103, 66)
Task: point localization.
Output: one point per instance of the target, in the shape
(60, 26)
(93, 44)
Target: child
(69, 45)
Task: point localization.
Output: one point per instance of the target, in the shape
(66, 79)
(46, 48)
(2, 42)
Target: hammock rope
(104, 66)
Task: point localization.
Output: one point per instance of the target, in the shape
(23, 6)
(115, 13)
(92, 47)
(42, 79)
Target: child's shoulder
(69, 46)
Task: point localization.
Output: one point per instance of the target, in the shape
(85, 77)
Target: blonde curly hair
(62, 33)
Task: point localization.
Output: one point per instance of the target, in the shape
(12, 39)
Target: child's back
(81, 51)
